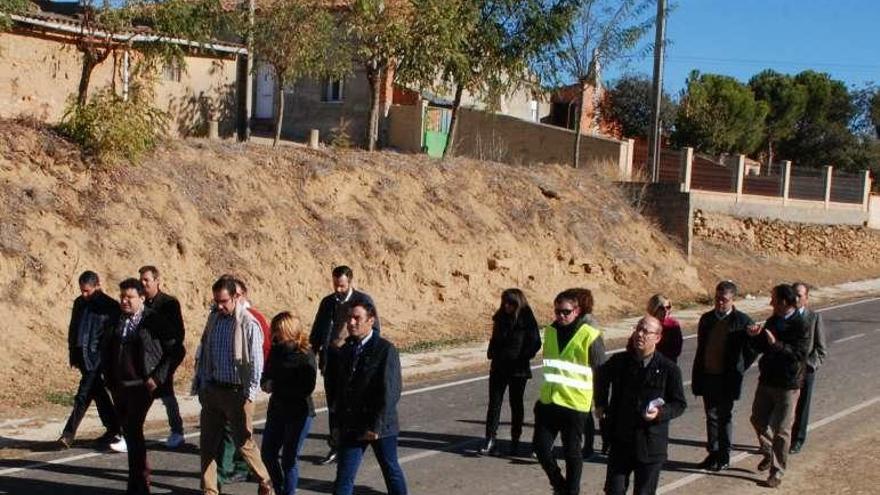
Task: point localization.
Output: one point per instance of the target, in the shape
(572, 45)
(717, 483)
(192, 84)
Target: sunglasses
(563, 312)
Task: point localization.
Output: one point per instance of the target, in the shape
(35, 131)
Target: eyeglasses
(563, 312)
(645, 331)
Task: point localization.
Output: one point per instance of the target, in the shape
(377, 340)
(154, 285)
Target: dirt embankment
(434, 242)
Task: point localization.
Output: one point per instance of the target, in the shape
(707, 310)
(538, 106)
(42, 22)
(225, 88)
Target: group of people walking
(132, 347)
(636, 393)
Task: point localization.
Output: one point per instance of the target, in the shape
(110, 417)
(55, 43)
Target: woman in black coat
(289, 375)
(515, 341)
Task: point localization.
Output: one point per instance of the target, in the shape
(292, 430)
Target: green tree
(479, 46)
(299, 39)
(602, 33)
(103, 27)
(822, 135)
(628, 103)
(786, 101)
(718, 114)
(379, 31)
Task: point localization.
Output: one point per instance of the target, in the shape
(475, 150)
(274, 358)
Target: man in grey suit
(817, 355)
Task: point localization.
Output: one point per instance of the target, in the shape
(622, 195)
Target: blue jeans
(287, 433)
(351, 455)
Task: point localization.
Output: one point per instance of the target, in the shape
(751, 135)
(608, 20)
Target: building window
(333, 90)
(171, 71)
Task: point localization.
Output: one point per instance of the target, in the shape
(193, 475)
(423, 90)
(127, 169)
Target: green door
(436, 121)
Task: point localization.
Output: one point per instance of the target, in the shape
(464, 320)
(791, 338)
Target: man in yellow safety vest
(573, 352)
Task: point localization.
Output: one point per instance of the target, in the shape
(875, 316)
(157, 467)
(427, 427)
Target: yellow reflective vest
(568, 378)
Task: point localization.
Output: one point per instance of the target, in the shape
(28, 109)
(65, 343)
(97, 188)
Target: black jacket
(738, 353)
(366, 396)
(169, 307)
(631, 387)
(105, 314)
(293, 374)
(783, 363)
(514, 344)
(331, 318)
(155, 350)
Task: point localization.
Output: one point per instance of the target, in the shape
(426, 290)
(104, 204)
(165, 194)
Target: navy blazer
(367, 392)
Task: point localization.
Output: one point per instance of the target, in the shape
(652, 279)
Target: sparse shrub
(113, 128)
(340, 135)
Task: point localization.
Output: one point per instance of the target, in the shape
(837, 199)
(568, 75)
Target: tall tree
(379, 31)
(105, 28)
(786, 101)
(298, 39)
(718, 114)
(628, 104)
(481, 47)
(603, 33)
(822, 135)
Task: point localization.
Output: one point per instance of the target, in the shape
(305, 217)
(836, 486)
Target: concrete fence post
(786, 181)
(829, 172)
(866, 189)
(740, 176)
(314, 138)
(626, 170)
(687, 165)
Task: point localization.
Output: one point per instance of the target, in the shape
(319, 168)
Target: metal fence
(710, 175)
(807, 184)
(763, 185)
(847, 187)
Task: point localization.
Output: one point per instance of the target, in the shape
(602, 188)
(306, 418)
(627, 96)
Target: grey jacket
(818, 347)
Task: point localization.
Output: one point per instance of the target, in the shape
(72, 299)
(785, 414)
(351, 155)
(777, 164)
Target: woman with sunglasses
(515, 341)
(670, 343)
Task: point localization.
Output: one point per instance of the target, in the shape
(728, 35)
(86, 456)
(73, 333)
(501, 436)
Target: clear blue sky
(740, 38)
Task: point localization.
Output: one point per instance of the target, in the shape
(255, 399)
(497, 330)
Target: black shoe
(721, 464)
(765, 464)
(489, 447)
(708, 463)
(65, 442)
(796, 448)
(330, 458)
(107, 438)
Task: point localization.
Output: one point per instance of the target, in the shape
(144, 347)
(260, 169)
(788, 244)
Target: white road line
(65, 460)
(745, 455)
(851, 337)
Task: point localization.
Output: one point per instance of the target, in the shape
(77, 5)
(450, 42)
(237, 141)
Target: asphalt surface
(443, 423)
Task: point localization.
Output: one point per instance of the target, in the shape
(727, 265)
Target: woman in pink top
(670, 343)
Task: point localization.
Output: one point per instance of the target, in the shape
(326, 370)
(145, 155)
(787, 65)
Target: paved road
(442, 425)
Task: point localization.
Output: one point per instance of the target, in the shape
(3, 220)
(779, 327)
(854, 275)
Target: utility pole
(249, 77)
(657, 92)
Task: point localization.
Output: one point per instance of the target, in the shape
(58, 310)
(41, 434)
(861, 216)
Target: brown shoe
(765, 464)
(265, 489)
(773, 481)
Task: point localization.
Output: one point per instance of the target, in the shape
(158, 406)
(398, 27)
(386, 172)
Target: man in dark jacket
(785, 343)
(722, 358)
(366, 382)
(329, 331)
(139, 355)
(94, 315)
(169, 308)
(646, 392)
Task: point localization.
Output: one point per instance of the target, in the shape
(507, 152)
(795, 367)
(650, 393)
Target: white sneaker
(174, 441)
(118, 445)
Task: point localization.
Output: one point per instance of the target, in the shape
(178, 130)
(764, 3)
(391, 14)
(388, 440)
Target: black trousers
(91, 387)
(552, 420)
(802, 411)
(498, 383)
(719, 417)
(589, 433)
(621, 463)
(133, 403)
